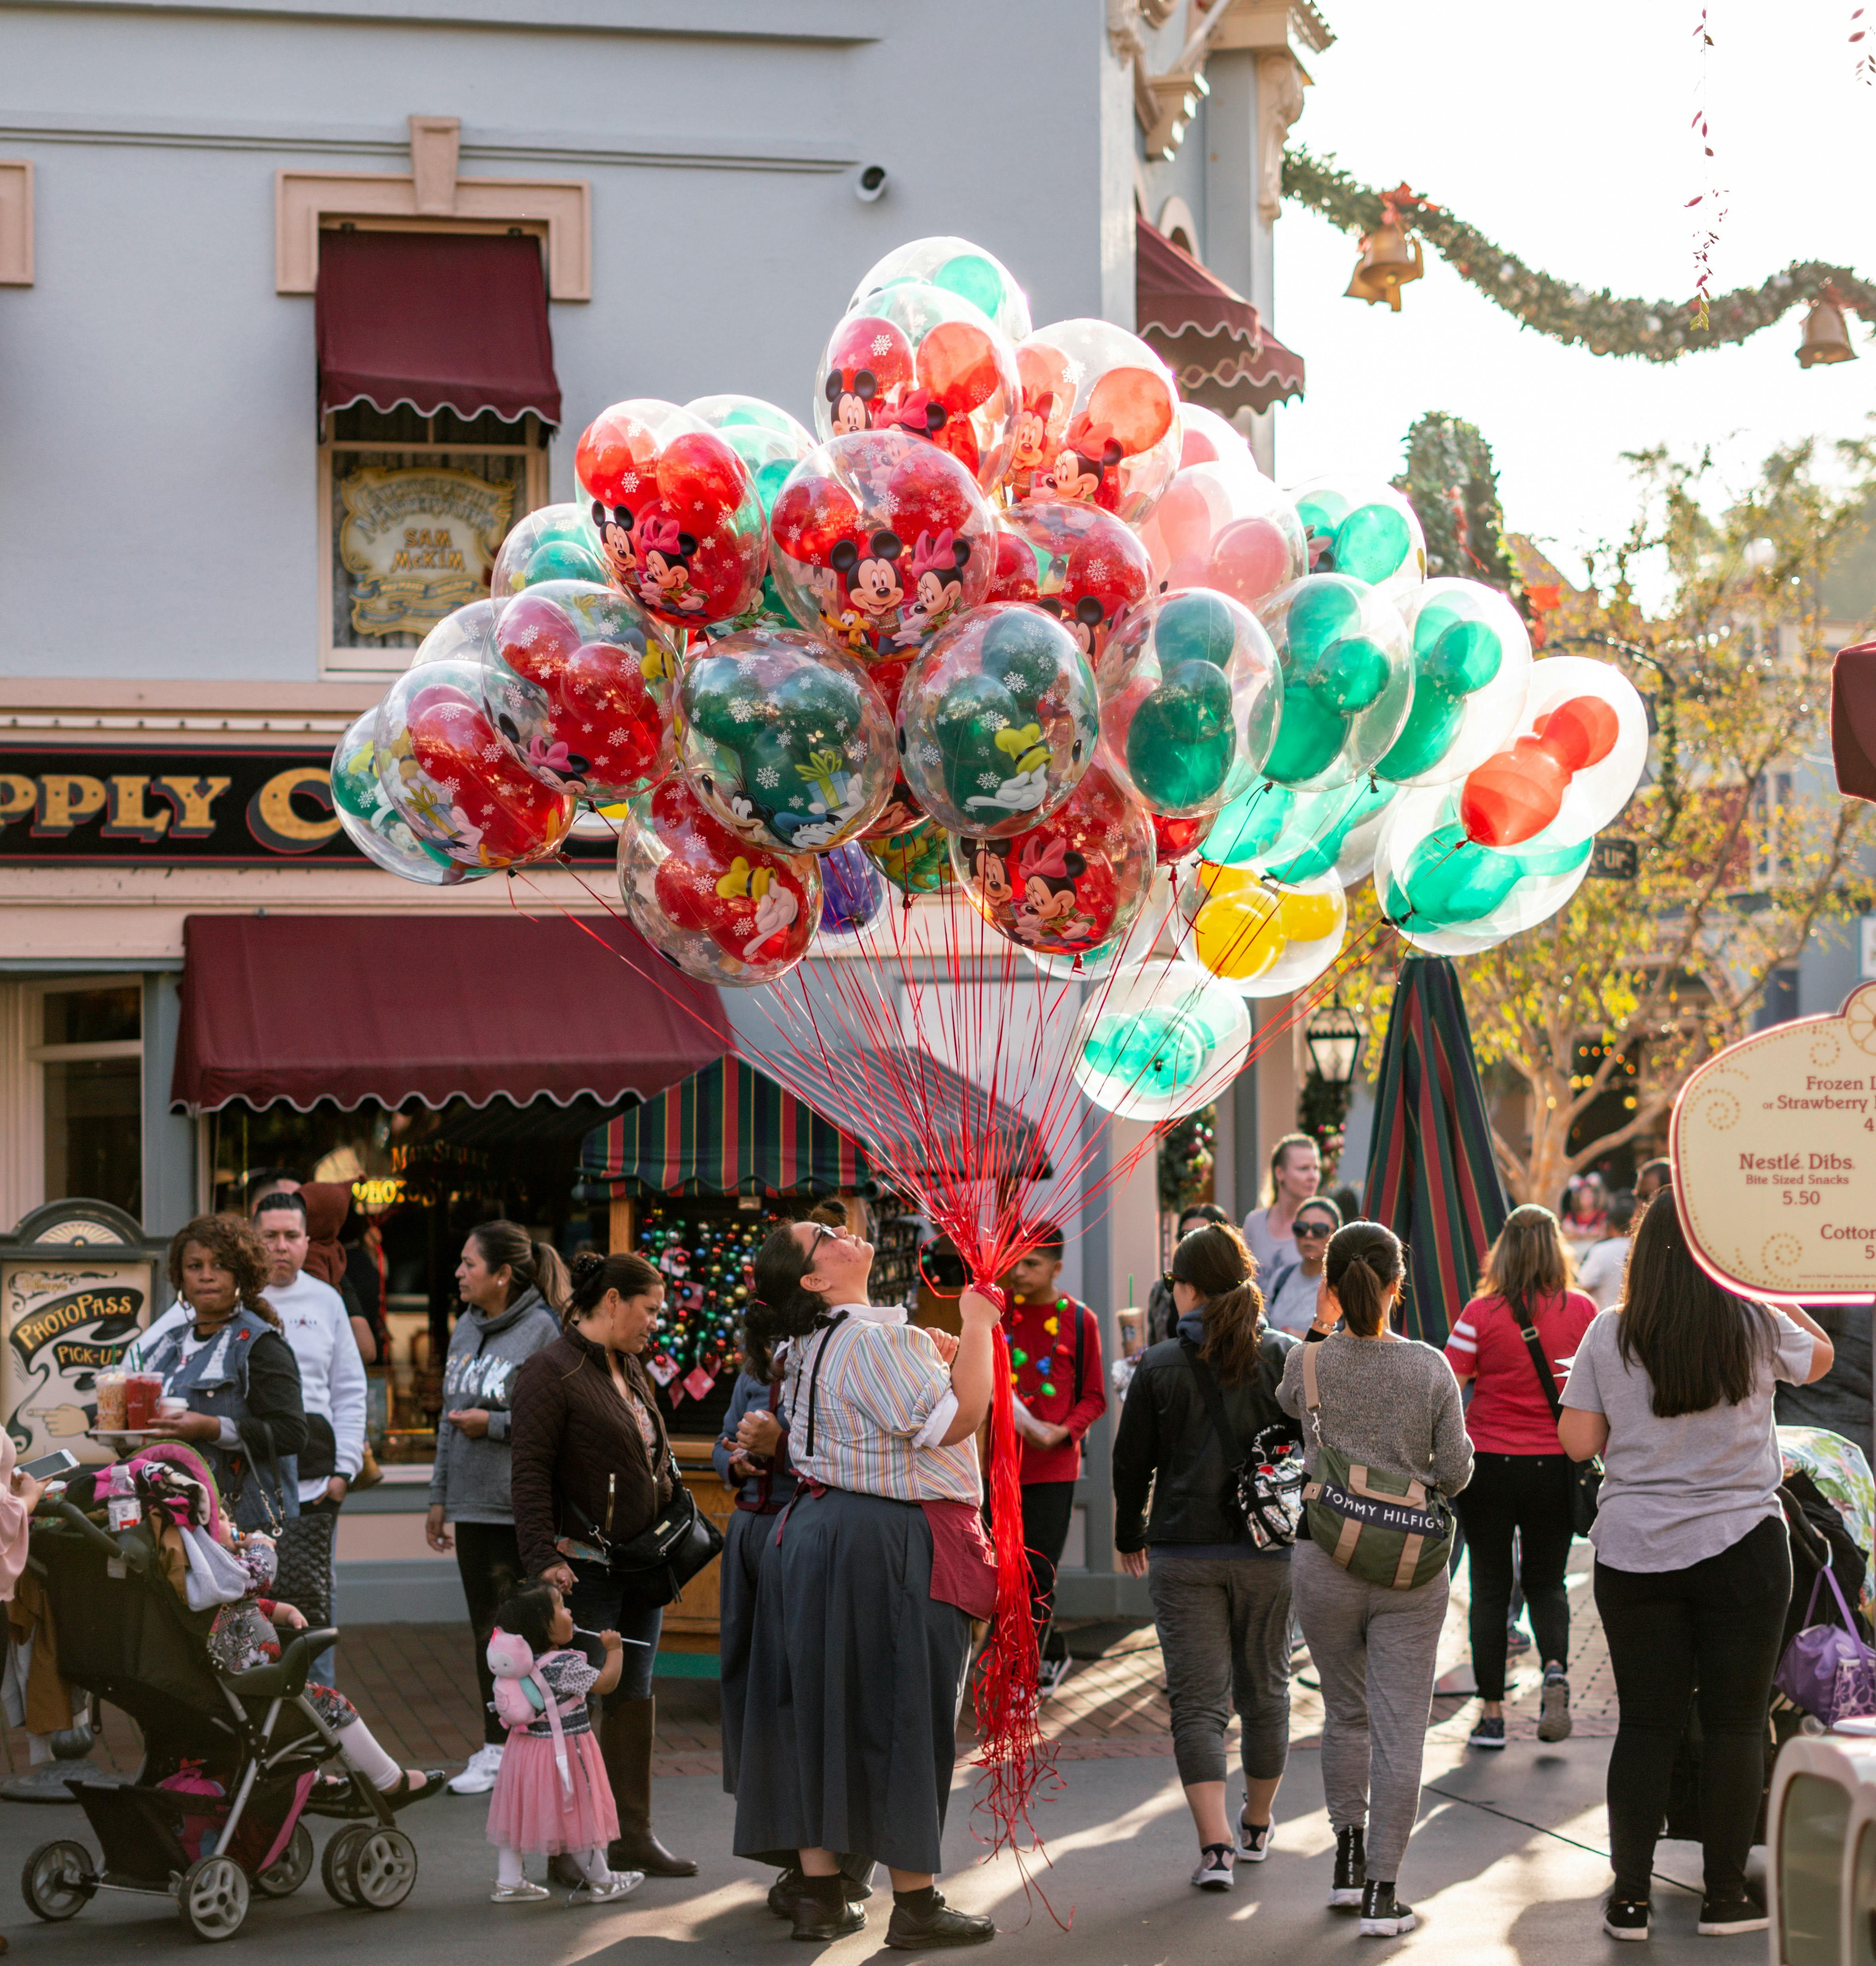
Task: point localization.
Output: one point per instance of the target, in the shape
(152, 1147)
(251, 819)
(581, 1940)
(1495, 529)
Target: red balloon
(1250, 558)
(1580, 732)
(1514, 795)
(868, 359)
(1176, 838)
(751, 903)
(502, 812)
(1014, 576)
(1080, 563)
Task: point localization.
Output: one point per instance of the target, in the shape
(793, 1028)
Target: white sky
(1562, 134)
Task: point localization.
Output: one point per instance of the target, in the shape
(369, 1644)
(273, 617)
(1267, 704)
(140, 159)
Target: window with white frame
(84, 1055)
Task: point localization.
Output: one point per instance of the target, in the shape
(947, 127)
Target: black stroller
(124, 1636)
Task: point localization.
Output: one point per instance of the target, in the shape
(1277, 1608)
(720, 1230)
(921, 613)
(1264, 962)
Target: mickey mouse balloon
(1263, 936)
(1471, 667)
(1368, 532)
(678, 517)
(1348, 680)
(957, 267)
(371, 822)
(1077, 562)
(772, 443)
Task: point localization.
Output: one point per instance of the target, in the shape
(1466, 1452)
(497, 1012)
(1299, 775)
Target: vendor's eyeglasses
(1311, 1231)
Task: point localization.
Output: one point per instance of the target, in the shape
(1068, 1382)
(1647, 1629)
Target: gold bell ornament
(1826, 334)
(1388, 262)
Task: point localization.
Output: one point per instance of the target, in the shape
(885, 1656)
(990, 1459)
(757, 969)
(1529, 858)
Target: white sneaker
(1214, 1867)
(618, 1884)
(516, 1893)
(1253, 1843)
(1049, 1674)
(479, 1777)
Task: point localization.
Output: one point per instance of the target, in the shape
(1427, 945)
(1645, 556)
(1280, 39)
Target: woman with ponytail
(1221, 1604)
(1391, 1406)
(513, 1290)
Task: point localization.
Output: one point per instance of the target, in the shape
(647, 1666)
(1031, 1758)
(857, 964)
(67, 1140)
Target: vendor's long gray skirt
(849, 1717)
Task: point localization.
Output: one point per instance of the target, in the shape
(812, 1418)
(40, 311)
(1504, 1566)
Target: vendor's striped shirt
(882, 1402)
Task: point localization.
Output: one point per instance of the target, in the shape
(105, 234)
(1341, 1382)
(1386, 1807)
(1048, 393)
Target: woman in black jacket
(1221, 1605)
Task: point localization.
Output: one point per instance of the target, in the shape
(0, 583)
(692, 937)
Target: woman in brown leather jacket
(591, 1468)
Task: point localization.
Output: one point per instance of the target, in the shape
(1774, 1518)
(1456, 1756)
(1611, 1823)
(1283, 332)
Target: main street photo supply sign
(1773, 1143)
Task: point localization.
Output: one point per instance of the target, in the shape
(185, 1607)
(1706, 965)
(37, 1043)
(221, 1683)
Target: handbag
(1265, 1487)
(1829, 1673)
(1378, 1527)
(1586, 1476)
(660, 1560)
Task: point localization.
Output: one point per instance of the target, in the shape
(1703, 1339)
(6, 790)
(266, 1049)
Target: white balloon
(1160, 1041)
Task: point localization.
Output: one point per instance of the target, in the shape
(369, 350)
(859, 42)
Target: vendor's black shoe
(1721, 1917)
(822, 1912)
(787, 1888)
(922, 1919)
(1383, 1915)
(1626, 1918)
(1350, 1869)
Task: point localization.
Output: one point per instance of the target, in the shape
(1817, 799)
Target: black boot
(1383, 1915)
(1350, 1869)
(625, 1743)
(822, 1912)
(922, 1919)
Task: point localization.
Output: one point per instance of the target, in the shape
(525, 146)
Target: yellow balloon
(1239, 936)
(1224, 882)
(1309, 917)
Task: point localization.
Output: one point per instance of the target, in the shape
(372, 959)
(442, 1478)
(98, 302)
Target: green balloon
(1195, 627)
(1349, 674)
(1321, 614)
(780, 749)
(974, 279)
(1372, 542)
(1155, 1050)
(1433, 722)
(564, 559)
(769, 479)
(1448, 881)
(1246, 827)
(1027, 651)
(1322, 822)
(1459, 656)
(1181, 742)
(1321, 510)
(1312, 731)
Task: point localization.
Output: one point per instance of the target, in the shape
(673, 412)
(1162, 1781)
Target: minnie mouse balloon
(772, 443)
(1156, 930)
(1348, 680)
(453, 780)
(1099, 422)
(1263, 937)
(960, 267)
(1159, 1040)
(721, 908)
(919, 359)
(997, 721)
(1191, 693)
(1079, 563)
(371, 822)
(879, 540)
(786, 742)
(552, 542)
(1471, 667)
(580, 688)
(1579, 756)
(1368, 532)
(678, 517)
(1225, 526)
(1071, 885)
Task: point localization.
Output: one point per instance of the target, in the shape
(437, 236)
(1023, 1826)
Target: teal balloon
(1155, 1050)
(1247, 828)
(974, 279)
(1321, 510)
(1372, 542)
(1322, 822)
(1195, 627)
(1448, 881)
(1434, 721)
(1311, 733)
(1349, 675)
(1026, 652)
(565, 560)
(1321, 615)
(1458, 656)
(1181, 743)
(769, 479)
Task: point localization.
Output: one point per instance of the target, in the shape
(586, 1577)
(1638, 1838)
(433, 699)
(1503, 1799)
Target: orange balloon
(957, 362)
(1580, 732)
(1514, 795)
(1136, 404)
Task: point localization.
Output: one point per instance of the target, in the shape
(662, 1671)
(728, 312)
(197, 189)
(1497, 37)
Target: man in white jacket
(313, 1316)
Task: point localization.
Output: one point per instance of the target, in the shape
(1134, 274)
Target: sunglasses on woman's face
(1312, 1231)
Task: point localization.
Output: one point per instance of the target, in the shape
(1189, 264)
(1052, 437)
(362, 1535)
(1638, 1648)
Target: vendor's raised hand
(472, 1420)
(975, 1308)
(187, 1426)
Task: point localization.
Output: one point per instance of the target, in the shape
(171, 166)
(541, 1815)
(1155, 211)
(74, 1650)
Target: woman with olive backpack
(1384, 1435)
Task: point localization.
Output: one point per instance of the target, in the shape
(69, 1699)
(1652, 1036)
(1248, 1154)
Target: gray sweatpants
(1374, 1650)
(1224, 1632)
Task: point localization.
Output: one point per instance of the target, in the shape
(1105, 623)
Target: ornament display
(1099, 422)
(580, 687)
(722, 909)
(1080, 564)
(853, 890)
(707, 1260)
(1160, 1040)
(879, 539)
(1223, 525)
(786, 740)
(552, 542)
(960, 267)
(1348, 680)
(1368, 532)
(1191, 693)
(679, 521)
(372, 822)
(1471, 668)
(998, 720)
(1262, 937)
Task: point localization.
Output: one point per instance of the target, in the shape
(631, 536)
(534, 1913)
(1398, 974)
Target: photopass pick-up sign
(161, 806)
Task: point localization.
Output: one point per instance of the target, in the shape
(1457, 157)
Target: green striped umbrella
(1432, 1176)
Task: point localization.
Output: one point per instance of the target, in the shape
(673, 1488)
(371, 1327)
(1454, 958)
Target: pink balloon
(1250, 559)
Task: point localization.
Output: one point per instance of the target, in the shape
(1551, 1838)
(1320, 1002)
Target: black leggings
(1714, 1626)
(489, 1560)
(1048, 1510)
(1527, 1495)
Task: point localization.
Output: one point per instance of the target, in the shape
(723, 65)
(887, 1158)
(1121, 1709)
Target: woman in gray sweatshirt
(1392, 1405)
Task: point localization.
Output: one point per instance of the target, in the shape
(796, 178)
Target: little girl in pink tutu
(552, 1795)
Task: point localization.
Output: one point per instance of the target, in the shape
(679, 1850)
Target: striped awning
(1432, 1178)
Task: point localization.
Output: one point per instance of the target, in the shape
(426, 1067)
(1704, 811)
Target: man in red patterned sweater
(1060, 1391)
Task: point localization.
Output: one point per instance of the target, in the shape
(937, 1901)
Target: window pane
(94, 1130)
(102, 1016)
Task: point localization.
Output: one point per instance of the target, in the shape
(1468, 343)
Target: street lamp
(1334, 1039)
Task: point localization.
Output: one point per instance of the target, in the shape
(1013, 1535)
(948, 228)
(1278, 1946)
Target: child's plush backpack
(521, 1697)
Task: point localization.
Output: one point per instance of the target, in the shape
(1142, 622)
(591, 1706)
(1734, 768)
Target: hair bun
(587, 1267)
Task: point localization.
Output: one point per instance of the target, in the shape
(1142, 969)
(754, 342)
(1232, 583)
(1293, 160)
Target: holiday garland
(1185, 1161)
(1605, 323)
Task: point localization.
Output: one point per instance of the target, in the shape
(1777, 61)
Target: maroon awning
(1853, 720)
(434, 1007)
(1210, 338)
(438, 319)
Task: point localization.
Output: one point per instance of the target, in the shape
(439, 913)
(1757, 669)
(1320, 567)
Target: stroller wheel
(58, 1880)
(382, 1868)
(213, 1898)
(291, 1869)
(335, 1868)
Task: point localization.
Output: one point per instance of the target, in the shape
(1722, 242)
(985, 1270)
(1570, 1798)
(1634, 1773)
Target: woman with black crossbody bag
(1526, 1499)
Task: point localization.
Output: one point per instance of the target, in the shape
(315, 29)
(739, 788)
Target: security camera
(872, 183)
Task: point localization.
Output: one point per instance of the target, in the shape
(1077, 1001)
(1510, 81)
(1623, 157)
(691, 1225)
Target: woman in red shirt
(1521, 1485)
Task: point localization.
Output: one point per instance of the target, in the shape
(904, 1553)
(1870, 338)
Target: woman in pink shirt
(1521, 1480)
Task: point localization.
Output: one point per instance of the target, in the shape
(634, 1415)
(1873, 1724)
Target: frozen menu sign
(1774, 1143)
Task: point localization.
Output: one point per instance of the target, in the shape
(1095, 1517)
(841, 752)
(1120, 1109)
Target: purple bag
(1829, 1673)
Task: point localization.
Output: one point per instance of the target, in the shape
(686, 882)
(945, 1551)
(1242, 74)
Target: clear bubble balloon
(1154, 929)
(997, 721)
(1471, 668)
(1263, 936)
(371, 821)
(721, 908)
(1160, 1040)
(918, 359)
(1077, 562)
(1099, 422)
(1191, 693)
(879, 540)
(1225, 526)
(1207, 439)
(1348, 680)
(1368, 532)
(916, 862)
(771, 443)
(786, 741)
(467, 635)
(960, 267)
(580, 687)
(1294, 836)
(854, 891)
(552, 542)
